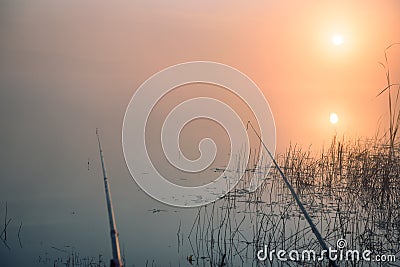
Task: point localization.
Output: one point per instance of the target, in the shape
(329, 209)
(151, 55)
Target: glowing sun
(337, 39)
(333, 118)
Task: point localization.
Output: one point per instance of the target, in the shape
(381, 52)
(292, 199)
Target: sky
(69, 67)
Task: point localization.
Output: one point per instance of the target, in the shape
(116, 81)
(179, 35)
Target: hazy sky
(93, 55)
(67, 67)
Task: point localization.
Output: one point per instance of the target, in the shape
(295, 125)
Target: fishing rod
(299, 203)
(116, 254)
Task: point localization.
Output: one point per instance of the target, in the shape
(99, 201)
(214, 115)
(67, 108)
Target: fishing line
(301, 206)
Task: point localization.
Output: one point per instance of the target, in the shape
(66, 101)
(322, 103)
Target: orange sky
(285, 47)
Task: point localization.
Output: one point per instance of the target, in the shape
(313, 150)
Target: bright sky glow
(337, 39)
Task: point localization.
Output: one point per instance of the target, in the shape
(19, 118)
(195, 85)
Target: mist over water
(68, 68)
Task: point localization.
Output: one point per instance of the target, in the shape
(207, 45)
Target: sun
(337, 39)
(334, 118)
